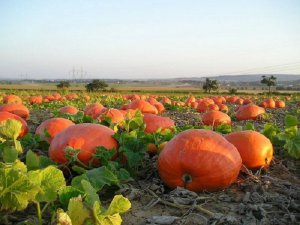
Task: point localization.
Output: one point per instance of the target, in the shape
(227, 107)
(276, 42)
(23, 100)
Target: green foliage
(10, 147)
(79, 213)
(291, 136)
(269, 81)
(50, 181)
(16, 187)
(34, 161)
(96, 85)
(210, 85)
(133, 146)
(10, 129)
(271, 131)
(232, 91)
(63, 85)
(223, 128)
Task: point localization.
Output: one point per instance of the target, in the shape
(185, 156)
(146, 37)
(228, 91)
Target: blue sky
(148, 38)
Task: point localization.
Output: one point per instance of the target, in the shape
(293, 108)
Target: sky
(148, 38)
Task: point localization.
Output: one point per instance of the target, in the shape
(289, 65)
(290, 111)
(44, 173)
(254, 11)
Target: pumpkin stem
(186, 178)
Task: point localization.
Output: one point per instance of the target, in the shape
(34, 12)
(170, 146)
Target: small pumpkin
(94, 110)
(255, 149)
(155, 122)
(115, 115)
(280, 104)
(52, 127)
(199, 160)
(143, 106)
(215, 118)
(35, 100)
(249, 112)
(68, 110)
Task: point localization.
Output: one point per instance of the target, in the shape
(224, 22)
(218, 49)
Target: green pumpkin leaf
(16, 188)
(51, 180)
(67, 193)
(10, 129)
(77, 212)
(32, 161)
(290, 121)
(9, 154)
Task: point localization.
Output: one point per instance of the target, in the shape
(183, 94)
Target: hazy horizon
(148, 39)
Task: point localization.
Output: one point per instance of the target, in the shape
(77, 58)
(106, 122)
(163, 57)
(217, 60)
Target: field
(267, 194)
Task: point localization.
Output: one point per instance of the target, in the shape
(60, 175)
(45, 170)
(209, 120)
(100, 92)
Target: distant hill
(244, 78)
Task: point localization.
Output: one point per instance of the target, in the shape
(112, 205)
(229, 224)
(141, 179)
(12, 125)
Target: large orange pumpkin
(52, 126)
(85, 137)
(249, 112)
(215, 118)
(255, 149)
(17, 109)
(154, 122)
(199, 160)
(6, 115)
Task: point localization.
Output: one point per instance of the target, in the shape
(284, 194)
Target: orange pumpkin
(202, 106)
(223, 108)
(160, 107)
(249, 112)
(115, 115)
(255, 149)
(213, 107)
(6, 115)
(215, 118)
(35, 100)
(12, 99)
(166, 100)
(94, 110)
(280, 104)
(17, 109)
(268, 103)
(85, 137)
(239, 101)
(71, 96)
(155, 122)
(143, 106)
(232, 99)
(69, 110)
(190, 100)
(52, 126)
(199, 160)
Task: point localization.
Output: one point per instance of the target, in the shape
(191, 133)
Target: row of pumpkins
(195, 159)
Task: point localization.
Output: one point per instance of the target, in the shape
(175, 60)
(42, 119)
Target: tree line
(208, 86)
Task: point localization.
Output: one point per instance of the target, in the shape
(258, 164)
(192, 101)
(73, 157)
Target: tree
(210, 85)
(96, 85)
(63, 85)
(269, 81)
